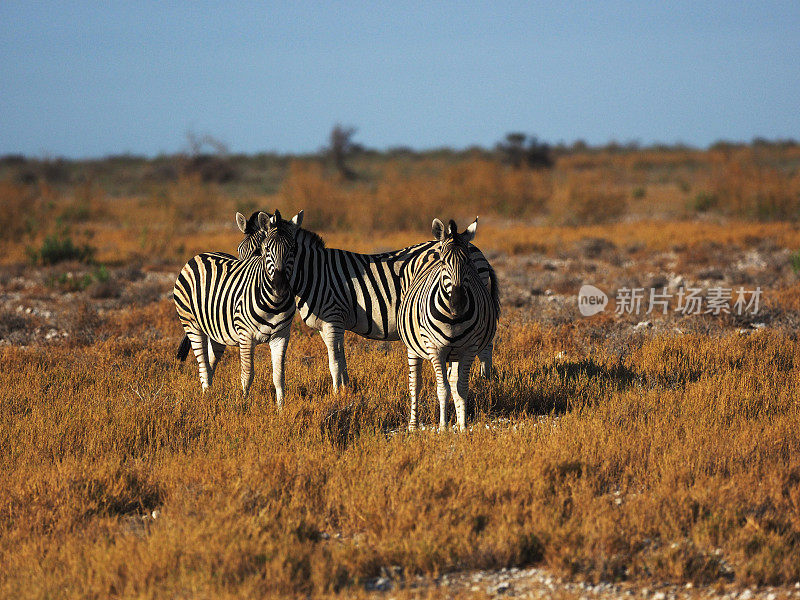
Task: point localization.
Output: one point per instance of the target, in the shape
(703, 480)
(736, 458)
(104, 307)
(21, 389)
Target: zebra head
(455, 262)
(254, 235)
(277, 247)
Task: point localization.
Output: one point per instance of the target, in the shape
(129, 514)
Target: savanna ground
(601, 451)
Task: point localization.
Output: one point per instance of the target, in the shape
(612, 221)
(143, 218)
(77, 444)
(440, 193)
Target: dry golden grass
(676, 461)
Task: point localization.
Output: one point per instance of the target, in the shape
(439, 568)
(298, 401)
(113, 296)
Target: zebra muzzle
(281, 283)
(457, 301)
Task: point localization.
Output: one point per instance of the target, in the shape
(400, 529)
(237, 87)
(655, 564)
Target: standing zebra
(338, 291)
(447, 316)
(223, 301)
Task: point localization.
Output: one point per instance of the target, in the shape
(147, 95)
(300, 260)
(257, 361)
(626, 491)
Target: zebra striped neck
(309, 239)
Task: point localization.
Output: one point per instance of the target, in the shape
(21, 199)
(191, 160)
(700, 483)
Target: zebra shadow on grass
(553, 388)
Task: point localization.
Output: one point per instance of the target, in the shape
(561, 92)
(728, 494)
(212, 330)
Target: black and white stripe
(448, 316)
(338, 291)
(224, 301)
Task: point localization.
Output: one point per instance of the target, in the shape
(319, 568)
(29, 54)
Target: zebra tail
(183, 349)
(495, 291)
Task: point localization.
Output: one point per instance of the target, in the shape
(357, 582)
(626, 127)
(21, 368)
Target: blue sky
(87, 79)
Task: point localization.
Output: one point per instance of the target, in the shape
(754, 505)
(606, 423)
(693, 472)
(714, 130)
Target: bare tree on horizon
(341, 147)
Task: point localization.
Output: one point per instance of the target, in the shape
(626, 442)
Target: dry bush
(210, 168)
(195, 202)
(106, 289)
(141, 293)
(587, 199)
(486, 187)
(160, 222)
(20, 209)
(403, 200)
(87, 202)
(123, 281)
(409, 202)
(307, 188)
(16, 327)
(746, 188)
(81, 322)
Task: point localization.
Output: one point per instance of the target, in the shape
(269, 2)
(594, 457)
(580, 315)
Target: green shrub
(97, 282)
(794, 260)
(704, 201)
(60, 248)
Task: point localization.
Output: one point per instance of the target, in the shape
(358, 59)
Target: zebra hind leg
(198, 340)
(414, 364)
(485, 358)
(215, 350)
(459, 384)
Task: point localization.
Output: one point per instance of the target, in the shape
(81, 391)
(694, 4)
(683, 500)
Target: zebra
(338, 291)
(447, 316)
(224, 301)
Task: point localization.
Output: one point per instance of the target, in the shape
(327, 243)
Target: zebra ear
(263, 220)
(469, 233)
(241, 222)
(437, 228)
(298, 219)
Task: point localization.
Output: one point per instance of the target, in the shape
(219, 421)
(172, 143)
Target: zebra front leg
(215, 351)
(246, 346)
(439, 362)
(452, 374)
(414, 363)
(485, 358)
(200, 349)
(459, 384)
(333, 336)
(277, 348)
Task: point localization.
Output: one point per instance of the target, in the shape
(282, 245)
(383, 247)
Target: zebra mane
(252, 224)
(286, 227)
(310, 238)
